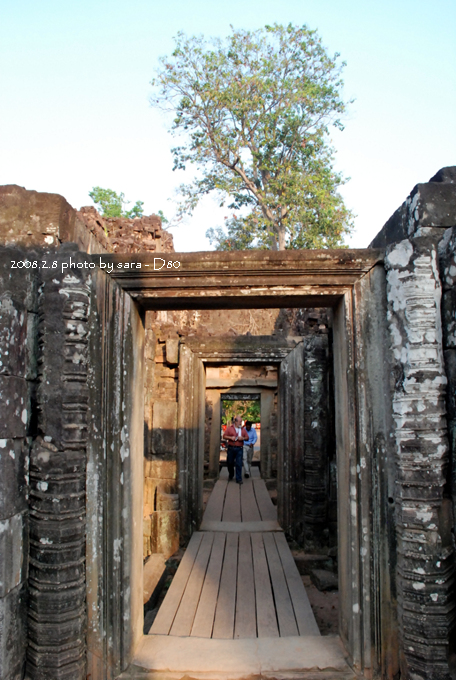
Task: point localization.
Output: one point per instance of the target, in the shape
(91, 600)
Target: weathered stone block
(150, 486)
(58, 532)
(46, 459)
(165, 532)
(54, 505)
(32, 346)
(13, 637)
(35, 218)
(166, 392)
(52, 603)
(429, 205)
(172, 351)
(13, 484)
(59, 663)
(13, 334)
(154, 574)
(62, 393)
(13, 547)
(164, 371)
(15, 407)
(164, 427)
(20, 284)
(167, 501)
(307, 563)
(160, 469)
(58, 631)
(324, 580)
(160, 353)
(149, 342)
(55, 575)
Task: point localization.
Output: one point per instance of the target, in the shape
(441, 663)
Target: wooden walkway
(234, 507)
(237, 578)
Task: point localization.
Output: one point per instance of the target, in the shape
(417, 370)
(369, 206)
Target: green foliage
(248, 410)
(136, 211)
(255, 111)
(112, 204)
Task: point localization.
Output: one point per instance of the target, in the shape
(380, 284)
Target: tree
(255, 111)
(246, 408)
(112, 204)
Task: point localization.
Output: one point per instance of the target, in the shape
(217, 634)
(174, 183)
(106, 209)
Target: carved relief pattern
(316, 420)
(57, 618)
(424, 574)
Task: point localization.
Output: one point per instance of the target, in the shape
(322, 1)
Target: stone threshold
(160, 656)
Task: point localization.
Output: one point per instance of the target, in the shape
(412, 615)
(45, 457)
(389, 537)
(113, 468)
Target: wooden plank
(250, 527)
(204, 617)
(268, 510)
(249, 507)
(265, 610)
(232, 507)
(305, 618)
(255, 472)
(284, 607)
(183, 620)
(223, 473)
(167, 612)
(245, 621)
(214, 507)
(226, 602)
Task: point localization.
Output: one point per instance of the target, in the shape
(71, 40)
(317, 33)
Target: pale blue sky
(74, 84)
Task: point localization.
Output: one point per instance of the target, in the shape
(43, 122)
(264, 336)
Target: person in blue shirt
(249, 446)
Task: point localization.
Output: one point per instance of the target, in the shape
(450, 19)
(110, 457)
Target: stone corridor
(111, 376)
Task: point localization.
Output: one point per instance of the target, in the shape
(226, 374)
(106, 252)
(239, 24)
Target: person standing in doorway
(249, 446)
(235, 435)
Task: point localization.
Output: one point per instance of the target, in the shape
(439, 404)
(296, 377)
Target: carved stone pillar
(425, 560)
(57, 622)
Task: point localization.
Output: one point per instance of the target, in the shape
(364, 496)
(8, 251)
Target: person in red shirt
(235, 435)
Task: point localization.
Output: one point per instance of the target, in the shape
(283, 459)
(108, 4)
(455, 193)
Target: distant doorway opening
(248, 406)
(252, 389)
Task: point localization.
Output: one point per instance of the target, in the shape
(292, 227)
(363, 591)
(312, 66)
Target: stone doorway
(354, 287)
(236, 383)
(248, 406)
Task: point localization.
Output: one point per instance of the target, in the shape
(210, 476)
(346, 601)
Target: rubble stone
(324, 580)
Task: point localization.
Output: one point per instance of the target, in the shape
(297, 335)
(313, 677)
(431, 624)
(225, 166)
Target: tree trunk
(281, 236)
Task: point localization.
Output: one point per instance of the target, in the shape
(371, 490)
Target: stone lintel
(222, 383)
(243, 348)
(239, 278)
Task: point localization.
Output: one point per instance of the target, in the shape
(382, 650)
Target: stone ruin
(115, 355)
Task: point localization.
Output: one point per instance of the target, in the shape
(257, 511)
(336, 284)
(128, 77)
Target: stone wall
(44, 328)
(161, 502)
(424, 384)
(125, 235)
(30, 218)
(18, 375)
